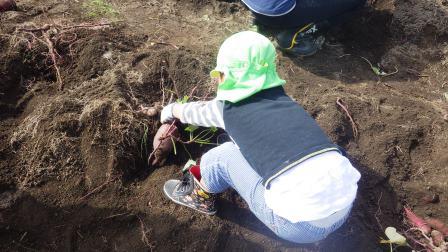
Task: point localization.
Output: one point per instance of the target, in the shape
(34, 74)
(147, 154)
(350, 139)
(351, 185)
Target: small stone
(107, 55)
(434, 198)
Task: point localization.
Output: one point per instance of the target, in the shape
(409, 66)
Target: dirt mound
(93, 127)
(421, 19)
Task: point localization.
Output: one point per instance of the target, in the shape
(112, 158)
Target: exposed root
(342, 104)
(52, 35)
(377, 70)
(379, 212)
(428, 237)
(162, 85)
(98, 188)
(52, 51)
(163, 43)
(115, 215)
(192, 92)
(145, 231)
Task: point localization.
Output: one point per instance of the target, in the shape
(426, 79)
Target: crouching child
(293, 178)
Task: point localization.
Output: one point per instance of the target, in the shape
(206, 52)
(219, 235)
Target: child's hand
(167, 113)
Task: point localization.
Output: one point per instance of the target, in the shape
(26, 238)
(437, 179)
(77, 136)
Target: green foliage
(202, 137)
(174, 146)
(144, 142)
(183, 100)
(377, 70)
(99, 8)
(191, 128)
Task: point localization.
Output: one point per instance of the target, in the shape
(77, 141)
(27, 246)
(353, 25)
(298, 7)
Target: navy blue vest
(274, 133)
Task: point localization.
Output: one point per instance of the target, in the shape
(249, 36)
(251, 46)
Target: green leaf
(174, 146)
(191, 128)
(377, 71)
(143, 142)
(213, 129)
(188, 165)
(183, 100)
(99, 8)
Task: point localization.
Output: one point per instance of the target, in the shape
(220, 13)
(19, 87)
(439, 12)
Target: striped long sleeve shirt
(204, 113)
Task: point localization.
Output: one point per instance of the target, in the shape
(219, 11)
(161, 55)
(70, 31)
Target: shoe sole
(183, 204)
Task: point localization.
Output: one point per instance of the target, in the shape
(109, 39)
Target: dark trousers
(312, 11)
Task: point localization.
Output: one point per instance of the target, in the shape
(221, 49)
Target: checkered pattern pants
(224, 166)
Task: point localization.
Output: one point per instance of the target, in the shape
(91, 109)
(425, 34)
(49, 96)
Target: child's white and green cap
(247, 60)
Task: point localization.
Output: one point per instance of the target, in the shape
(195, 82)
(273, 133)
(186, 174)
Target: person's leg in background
(300, 31)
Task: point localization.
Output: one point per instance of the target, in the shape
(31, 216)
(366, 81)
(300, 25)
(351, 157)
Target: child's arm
(203, 113)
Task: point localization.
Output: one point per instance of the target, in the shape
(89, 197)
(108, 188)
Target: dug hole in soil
(73, 170)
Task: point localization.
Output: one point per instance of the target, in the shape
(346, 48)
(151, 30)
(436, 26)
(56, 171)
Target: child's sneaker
(190, 163)
(305, 41)
(189, 192)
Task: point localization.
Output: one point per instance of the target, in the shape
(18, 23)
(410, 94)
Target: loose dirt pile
(73, 161)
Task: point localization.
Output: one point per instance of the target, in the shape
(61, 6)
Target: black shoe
(188, 192)
(223, 138)
(301, 42)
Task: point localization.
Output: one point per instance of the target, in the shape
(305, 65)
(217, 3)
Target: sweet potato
(417, 221)
(437, 225)
(163, 144)
(437, 237)
(7, 5)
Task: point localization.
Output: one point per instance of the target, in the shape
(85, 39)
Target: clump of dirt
(417, 20)
(411, 56)
(17, 65)
(48, 141)
(176, 71)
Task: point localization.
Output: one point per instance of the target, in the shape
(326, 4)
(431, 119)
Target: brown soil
(73, 173)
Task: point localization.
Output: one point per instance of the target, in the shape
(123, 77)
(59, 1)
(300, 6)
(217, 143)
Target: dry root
(145, 231)
(426, 242)
(52, 36)
(343, 106)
